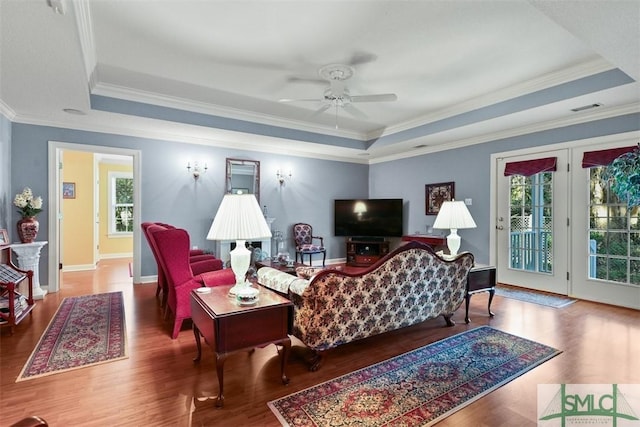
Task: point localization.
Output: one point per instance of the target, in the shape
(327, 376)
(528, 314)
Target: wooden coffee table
(229, 327)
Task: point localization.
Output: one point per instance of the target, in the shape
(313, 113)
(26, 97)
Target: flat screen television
(368, 218)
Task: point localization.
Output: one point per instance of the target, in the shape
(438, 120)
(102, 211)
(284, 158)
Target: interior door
(532, 225)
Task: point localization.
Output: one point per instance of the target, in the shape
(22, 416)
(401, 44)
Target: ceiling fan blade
(299, 100)
(295, 79)
(354, 111)
(361, 58)
(320, 110)
(374, 98)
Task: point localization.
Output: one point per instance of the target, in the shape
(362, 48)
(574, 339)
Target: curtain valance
(603, 157)
(530, 167)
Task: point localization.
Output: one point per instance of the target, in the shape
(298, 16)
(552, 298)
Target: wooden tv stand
(363, 252)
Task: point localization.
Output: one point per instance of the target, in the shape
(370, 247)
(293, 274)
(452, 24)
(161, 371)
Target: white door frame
(54, 150)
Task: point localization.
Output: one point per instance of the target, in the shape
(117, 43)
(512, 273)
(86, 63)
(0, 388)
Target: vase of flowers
(28, 208)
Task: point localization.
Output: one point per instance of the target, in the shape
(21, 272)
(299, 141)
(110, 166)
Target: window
(531, 222)
(120, 203)
(614, 233)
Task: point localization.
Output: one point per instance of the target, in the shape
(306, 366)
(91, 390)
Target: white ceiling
(464, 71)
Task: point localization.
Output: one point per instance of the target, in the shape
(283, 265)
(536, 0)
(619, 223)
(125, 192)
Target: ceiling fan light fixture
(334, 72)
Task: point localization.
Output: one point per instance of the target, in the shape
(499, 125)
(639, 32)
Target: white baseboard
(115, 256)
(78, 267)
(148, 279)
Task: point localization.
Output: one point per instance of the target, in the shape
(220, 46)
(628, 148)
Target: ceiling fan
(337, 95)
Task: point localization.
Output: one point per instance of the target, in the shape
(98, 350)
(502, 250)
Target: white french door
(532, 225)
(564, 231)
(605, 235)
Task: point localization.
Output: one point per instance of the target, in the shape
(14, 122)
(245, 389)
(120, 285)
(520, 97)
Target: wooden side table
(228, 327)
(481, 278)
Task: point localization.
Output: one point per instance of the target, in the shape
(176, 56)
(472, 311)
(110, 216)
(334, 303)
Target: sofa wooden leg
(447, 318)
(316, 361)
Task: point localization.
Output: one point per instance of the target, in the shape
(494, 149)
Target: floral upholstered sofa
(406, 287)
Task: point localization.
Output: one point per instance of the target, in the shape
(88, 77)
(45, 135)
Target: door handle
(499, 227)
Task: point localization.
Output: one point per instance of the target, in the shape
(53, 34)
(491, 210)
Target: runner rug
(85, 331)
(549, 300)
(418, 388)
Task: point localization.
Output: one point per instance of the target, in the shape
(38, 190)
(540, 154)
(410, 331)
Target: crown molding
(586, 117)
(103, 122)
(7, 111)
(133, 95)
(84, 25)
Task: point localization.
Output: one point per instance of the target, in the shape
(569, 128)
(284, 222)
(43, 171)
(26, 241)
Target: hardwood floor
(159, 385)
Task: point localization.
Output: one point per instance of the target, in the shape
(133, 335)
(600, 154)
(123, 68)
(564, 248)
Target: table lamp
(453, 215)
(239, 218)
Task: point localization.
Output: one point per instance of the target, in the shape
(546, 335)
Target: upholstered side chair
(304, 241)
(173, 251)
(200, 262)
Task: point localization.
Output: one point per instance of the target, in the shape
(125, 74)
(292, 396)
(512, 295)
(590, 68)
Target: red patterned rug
(85, 331)
(418, 388)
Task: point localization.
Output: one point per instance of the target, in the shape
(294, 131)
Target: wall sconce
(281, 176)
(196, 170)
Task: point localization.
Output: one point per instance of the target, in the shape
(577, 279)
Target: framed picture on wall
(435, 194)
(4, 237)
(68, 190)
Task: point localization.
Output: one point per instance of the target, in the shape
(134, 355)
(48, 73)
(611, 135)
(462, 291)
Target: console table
(28, 258)
(436, 242)
(481, 278)
(228, 327)
(365, 252)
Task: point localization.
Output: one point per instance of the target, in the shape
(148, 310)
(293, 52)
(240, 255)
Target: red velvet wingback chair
(173, 252)
(200, 262)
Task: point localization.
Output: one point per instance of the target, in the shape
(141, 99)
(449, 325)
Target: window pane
(124, 190)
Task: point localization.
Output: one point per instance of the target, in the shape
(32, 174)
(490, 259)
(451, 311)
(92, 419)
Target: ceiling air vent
(586, 107)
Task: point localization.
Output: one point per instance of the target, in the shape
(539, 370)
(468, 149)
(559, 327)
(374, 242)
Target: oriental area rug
(418, 388)
(540, 298)
(85, 331)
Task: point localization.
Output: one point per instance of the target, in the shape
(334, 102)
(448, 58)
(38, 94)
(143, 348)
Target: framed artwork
(68, 190)
(4, 237)
(435, 194)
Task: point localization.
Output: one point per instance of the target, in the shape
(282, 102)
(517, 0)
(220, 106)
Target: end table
(481, 278)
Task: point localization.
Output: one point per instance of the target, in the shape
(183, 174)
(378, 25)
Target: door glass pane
(614, 234)
(531, 223)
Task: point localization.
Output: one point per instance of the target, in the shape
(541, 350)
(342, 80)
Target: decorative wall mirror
(243, 176)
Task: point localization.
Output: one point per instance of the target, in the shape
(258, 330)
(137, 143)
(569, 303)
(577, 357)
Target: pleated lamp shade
(239, 217)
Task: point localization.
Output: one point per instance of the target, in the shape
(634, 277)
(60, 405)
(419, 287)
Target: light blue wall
(470, 169)
(6, 199)
(170, 194)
